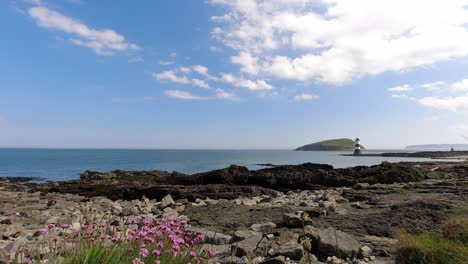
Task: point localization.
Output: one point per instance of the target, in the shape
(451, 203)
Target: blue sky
(232, 74)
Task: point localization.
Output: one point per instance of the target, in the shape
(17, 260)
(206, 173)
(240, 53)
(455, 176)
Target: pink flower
(130, 249)
(137, 261)
(65, 226)
(50, 226)
(144, 252)
(211, 253)
(27, 261)
(45, 232)
(176, 247)
(157, 252)
(157, 262)
(160, 244)
(193, 253)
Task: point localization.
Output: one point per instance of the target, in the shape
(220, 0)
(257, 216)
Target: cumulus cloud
(400, 88)
(257, 85)
(200, 83)
(305, 97)
(103, 42)
(226, 78)
(460, 86)
(202, 70)
(222, 94)
(439, 95)
(171, 76)
(335, 41)
(453, 103)
(184, 95)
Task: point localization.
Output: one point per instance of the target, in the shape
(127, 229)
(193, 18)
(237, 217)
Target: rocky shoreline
(254, 216)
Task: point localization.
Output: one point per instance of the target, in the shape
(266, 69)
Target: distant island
(332, 144)
(438, 147)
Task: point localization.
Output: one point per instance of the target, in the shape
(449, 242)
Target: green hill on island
(332, 144)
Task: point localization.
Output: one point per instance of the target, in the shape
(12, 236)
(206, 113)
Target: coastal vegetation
(449, 247)
(332, 144)
(140, 240)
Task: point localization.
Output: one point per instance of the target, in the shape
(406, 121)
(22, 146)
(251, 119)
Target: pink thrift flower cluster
(143, 240)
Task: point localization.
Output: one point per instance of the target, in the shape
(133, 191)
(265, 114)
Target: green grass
(450, 247)
(332, 144)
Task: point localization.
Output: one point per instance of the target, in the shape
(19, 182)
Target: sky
(232, 74)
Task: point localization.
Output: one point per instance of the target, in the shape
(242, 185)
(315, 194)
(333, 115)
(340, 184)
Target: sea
(65, 164)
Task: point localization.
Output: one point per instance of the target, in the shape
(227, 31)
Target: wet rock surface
(254, 223)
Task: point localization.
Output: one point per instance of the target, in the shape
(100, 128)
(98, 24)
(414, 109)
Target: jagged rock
(5, 221)
(364, 252)
(295, 221)
(263, 227)
(275, 260)
(169, 213)
(212, 237)
(167, 201)
(266, 199)
(324, 242)
(249, 246)
(218, 250)
(293, 251)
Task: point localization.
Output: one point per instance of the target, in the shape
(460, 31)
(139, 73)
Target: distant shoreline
(462, 155)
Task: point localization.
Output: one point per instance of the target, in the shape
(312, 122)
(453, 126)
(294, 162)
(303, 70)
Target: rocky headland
(254, 216)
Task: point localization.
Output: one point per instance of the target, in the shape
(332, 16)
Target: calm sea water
(62, 164)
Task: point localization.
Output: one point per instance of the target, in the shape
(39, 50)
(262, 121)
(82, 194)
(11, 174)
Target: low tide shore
(253, 216)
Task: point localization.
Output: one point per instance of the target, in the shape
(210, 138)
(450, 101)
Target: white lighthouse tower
(357, 147)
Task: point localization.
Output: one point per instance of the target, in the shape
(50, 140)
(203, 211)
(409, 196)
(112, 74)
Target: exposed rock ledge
(231, 182)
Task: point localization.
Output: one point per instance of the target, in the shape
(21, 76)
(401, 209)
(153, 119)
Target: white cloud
(222, 94)
(185, 69)
(171, 76)
(439, 95)
(400, 88)
(335, 41)
(460, 86)
(200, 83)
(257, 85)
(305, 97)
(103, 42)
(200, 69)
(184, 95)
(166, 63)
(453, 103)
(431, 118)
(248, 63)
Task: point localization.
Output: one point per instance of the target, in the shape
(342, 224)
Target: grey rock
(5, 221)
(364, 252)
(167, 201)
(212, 237)
(263, 227)
(294, 221)
(275, 260)
(293, 251)
(348, 246)
(252, 245)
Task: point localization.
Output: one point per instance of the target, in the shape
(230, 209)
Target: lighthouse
(357, 147)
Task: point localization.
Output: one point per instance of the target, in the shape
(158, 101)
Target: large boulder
(324, 242)
(232, 175)
(250, 244)
(293, 251)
